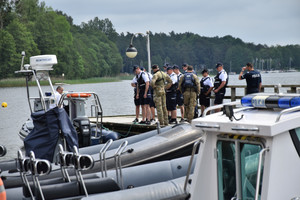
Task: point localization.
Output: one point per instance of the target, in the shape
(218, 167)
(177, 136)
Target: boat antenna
(22, 63)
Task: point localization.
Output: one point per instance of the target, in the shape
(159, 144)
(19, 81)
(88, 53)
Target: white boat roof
(255, 121)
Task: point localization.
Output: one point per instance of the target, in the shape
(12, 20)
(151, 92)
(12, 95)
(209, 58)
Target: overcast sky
(271, 22)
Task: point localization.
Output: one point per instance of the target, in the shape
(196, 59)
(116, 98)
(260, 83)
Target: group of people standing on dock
(165, 90)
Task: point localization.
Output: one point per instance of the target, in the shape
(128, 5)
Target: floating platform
(123, 124)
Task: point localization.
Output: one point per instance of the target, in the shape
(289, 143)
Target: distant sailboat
(230, 72)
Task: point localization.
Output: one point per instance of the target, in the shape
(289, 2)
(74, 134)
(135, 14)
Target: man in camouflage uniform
(189, 85)
(158, 82)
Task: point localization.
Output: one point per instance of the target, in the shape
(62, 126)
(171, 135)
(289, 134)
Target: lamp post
(131, 51)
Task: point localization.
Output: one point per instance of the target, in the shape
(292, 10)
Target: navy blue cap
(175, 67)
(135, 67)
(204, 71)
(142, 68)
(166, 65)
(185, 65)
(169, 67)
(219, 65)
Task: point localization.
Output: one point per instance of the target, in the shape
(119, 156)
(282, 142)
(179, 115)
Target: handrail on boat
(289, 110)
(38, 167)
(63, 162)
(196, 144)
(79, 167)
(118, 164)
(23, 171)
(261, 153)
(103, 159)
(238, 102)
(98, 108)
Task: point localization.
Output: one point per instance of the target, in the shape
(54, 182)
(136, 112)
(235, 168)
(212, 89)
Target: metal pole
(261, 153)
(148, 50)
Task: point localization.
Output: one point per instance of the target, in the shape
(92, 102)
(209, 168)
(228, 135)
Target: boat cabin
(251, 152)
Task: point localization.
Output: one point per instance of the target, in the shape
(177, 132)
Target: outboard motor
(102, 136)
(82, 126)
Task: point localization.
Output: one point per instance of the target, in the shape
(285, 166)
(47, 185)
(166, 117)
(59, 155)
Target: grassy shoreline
(20, 82)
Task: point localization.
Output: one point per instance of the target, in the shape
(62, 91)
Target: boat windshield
(295, 135)
(237, 169)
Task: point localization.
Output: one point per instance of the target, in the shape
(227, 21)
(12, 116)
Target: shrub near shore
(20, 82)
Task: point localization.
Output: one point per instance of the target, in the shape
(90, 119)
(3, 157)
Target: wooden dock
(123, 124)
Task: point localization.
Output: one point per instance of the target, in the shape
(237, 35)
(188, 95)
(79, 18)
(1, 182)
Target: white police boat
(251, 152)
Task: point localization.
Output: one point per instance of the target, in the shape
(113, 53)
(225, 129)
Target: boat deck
(123, 124)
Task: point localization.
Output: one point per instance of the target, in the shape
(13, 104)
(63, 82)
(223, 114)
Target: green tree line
(95, 49)
(82, 51)
(205, 52)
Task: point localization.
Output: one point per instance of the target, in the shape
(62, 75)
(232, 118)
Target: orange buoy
(2, 191)
(83, 95)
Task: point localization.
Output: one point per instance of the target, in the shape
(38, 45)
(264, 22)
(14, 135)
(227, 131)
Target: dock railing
(235, 92)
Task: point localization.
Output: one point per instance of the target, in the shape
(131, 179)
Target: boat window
(226, 170)
(249, 167)
(229, 183)
(295, 135)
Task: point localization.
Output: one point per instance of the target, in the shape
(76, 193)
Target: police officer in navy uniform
(151, 104)
(221, 81)
(206, 88)
(253, 79)
(179, 96)
(137, 102)
(143, 93)
(171, 96)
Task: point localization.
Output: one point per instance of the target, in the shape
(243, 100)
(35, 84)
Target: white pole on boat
(22, 63)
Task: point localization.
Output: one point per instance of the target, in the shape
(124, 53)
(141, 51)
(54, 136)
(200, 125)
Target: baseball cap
(169, 67)
(142, 68)
(175, 67)
(154, 67)
(219, 65)
(166, 65)
(185, 65)
(135, 67)
(204, 71)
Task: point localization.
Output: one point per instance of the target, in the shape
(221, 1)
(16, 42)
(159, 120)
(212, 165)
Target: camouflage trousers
(189, 101)
(161, 108)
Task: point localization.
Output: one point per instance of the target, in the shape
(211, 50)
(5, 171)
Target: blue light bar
(246, 100)
(295, 101)
(270, 101)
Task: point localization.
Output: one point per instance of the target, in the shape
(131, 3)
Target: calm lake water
(116, 99)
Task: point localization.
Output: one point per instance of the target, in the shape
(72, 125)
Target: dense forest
(95, 49)
(82, 51)
(205, 52)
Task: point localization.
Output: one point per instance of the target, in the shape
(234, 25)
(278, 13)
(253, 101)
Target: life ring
(84, 95)
(2, 191)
